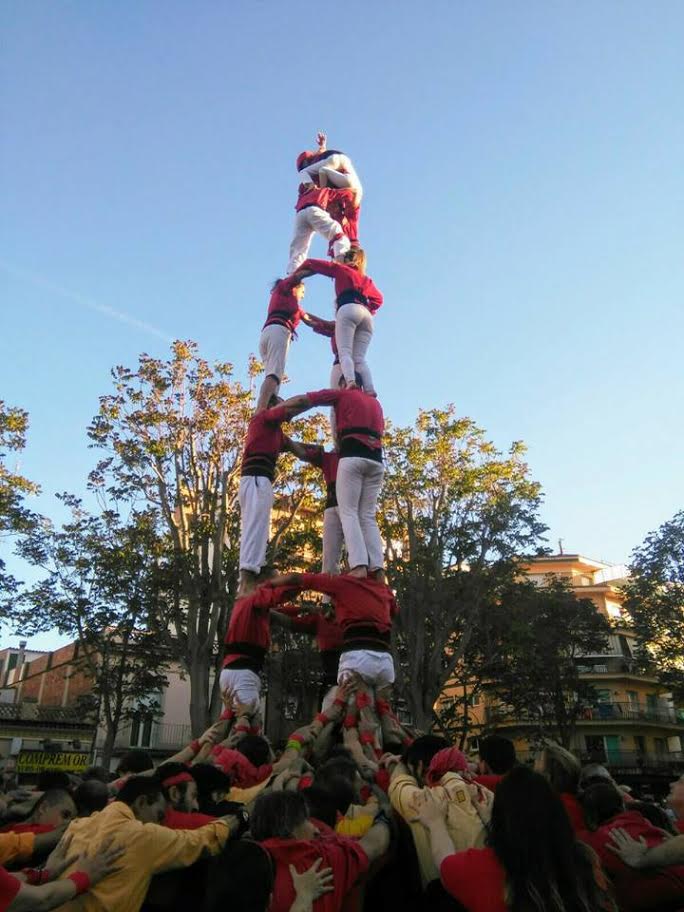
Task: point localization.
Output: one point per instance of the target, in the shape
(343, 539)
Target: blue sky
(523, 217)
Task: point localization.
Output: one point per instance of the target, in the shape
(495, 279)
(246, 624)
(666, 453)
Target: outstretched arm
(307, 452)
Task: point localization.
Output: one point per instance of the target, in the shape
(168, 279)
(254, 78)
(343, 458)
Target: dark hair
(321, 804)
(49, 780)
(338, 768)
(276, 815)
(498, 753)
(255, 748)
(209, 778)
(654, 814)
(137, 786)
(240, 878)
(136, 761)
(52, 797)
(561, 768)
(423, 749)
(600, 803)
(91, 796)
(341, 790)
(547, 870)
(98, 773)
(167, 771)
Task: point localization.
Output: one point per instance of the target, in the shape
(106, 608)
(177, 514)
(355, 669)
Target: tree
(174, 433)
(15, 517)
(654, 599)
(456, 514)
(105, 579)
(535, 676)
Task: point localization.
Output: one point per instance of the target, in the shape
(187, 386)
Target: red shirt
(248, 637)
(9, 887)
(342, 207)
(358, 417)
(328, 633)
(574, 811)
(264, 441)
(476, 879)
(643, 889)
(350, 284)
(327, 462)
(679, 825)
(27, 828)
(345, 856)
(185, 820)
(488, 780)
(364, 608)
(317, 196)
(283, 306)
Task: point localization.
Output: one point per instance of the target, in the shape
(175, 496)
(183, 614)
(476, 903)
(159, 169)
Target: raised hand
(428, 808)
(60, 858)
(631, 851)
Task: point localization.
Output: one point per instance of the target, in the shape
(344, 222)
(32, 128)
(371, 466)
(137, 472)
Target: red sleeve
(321, 267)
(373, 294)
(275, 415)
(305, 623)
(323, 397)
(267, 597)
(347, 860)
(320, 582)
(475, 878)
(9, 887)
(324, 328)
(182, 820)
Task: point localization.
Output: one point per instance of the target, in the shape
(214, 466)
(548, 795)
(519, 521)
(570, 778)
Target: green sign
(34, 761)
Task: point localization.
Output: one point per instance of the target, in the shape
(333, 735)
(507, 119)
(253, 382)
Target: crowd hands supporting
(328, 824)
(354, 811)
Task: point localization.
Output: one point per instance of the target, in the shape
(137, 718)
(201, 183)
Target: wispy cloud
(88, 303)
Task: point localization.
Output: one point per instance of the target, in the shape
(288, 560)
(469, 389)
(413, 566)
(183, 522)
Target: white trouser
(308, 221)
(274, 342)
(353, 334)
(376, 668)
(245, 684)
(256, 499)
(333, 540)
(358, 485)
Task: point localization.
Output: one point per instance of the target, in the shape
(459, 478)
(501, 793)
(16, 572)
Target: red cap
(302, 159)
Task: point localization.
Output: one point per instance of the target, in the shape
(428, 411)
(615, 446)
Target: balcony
(631, 712)
(617, 665)
(603, 712)
(158, 736)
(670, 763)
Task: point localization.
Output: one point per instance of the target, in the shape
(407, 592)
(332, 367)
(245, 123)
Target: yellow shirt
(150, 849)
(464, 823)
(16, 847)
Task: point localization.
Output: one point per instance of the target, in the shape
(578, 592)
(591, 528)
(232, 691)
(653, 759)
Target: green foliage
(105, 583)
(542, 633)
(174, 432)
(655, 602)
(457, 514)
(15, 517)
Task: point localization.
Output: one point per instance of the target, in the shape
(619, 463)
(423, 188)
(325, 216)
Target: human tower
(353, 624)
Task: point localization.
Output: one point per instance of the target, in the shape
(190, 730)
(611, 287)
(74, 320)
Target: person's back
(532, 859)
(133, 821)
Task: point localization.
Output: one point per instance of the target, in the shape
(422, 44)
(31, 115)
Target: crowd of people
(355, 811)
(225, 824)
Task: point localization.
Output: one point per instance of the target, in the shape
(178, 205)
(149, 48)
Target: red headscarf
(448, 760)
(241, 770)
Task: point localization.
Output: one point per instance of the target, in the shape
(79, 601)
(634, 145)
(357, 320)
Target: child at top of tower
(329, 167)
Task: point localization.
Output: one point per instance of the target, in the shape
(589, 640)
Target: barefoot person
(357, 300)
(264, 442)
(284, 314)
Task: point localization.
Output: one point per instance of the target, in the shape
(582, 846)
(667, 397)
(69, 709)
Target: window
(660, 746)
(141, 731)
